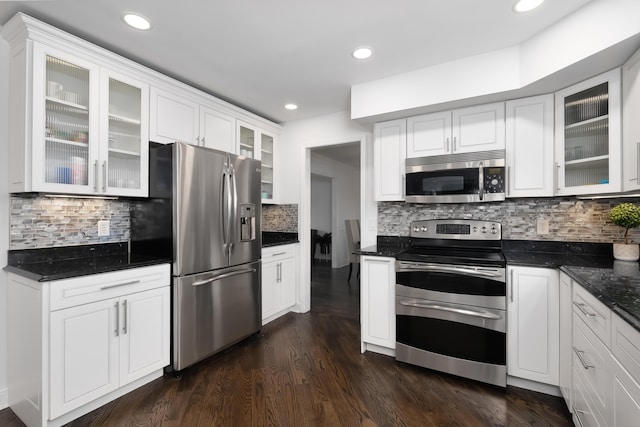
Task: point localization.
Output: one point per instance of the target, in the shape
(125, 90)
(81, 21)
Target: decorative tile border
(570, 219)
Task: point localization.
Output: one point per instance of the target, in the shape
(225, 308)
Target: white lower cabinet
(566, 327)
(377, 311)
(279, 267)
(533, 299)
(90, 340)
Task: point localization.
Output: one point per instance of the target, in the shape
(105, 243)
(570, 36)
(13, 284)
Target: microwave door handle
(481, 179)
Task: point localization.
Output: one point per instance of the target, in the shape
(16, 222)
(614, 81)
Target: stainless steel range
(451, 299)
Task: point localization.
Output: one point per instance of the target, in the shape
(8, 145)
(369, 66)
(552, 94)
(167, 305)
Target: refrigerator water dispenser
(247, 215)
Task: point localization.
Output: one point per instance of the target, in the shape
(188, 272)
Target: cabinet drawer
(593, 313)
(97, 287)
(583, 412)
(591, 360)
(278, 253)
(625, 345)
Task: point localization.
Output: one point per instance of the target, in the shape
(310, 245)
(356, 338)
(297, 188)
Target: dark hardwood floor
(307, 370)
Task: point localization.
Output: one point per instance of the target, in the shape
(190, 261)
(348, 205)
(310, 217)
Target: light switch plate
(542, 226)
(103, 228)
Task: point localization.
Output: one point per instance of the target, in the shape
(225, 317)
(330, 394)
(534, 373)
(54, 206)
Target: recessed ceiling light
(291, 106)
(362, 53)
(526, 5)
(136, 20)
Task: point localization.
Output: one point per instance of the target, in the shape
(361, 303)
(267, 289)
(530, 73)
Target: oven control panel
(458, 229)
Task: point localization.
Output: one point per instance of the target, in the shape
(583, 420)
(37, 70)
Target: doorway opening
(334, 200)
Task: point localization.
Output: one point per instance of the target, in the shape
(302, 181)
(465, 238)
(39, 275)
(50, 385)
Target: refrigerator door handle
(226, 206)
(233, 218)
(223, 276)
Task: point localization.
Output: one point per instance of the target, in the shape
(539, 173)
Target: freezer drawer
(214, 310)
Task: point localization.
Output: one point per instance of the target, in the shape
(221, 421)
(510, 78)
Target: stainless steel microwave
(456, 178)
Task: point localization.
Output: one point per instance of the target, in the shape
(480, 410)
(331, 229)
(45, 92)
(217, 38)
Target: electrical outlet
(542, 226)
(103, 228)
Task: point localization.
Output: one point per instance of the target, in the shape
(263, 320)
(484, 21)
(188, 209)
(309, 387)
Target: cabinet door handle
(511, 285)
(133, 282)
(104, 176)
(581, 308)
(96, 176)
(556, 176)
(508, 180)
(197, 140)
(124, 327)
(579, 353)
(117, 330)
(454, 143)
(448, 144)
(202, 141)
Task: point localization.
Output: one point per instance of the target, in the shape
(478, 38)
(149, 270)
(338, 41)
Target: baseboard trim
(534, 386)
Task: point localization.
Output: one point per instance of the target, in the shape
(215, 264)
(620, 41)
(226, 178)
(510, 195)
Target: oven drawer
(452, 330)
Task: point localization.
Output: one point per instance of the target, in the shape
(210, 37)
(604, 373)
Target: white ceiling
(262, 54)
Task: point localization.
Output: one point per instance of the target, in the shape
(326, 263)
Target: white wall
(587, 41)
(345, 202)
(4, 213)
(296, 140)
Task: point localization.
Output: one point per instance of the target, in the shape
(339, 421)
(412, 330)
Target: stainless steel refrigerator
(204, 211)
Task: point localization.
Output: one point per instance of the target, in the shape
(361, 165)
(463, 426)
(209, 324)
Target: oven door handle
(456, 270)
(464, 311)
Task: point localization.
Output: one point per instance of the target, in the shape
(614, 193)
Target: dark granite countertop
(48, 264)
(617, 287)
(277, 238)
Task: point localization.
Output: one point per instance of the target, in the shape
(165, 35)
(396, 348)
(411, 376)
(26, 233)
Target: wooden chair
(352, 227)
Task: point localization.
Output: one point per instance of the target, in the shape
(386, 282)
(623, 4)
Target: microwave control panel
(494, 180)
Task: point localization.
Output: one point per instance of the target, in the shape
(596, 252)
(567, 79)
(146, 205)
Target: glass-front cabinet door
(123, 167)
(64, 127)
(588, 136)
(266, 154)
(247, 137)
(90, 128)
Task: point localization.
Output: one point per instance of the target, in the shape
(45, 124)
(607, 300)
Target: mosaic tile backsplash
(281, 218)
(570, 219)
(38, 221)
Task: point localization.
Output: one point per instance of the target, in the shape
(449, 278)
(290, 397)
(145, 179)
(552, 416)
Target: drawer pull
(279, 253)
(581, 308)
(579, 353)
(133, 282)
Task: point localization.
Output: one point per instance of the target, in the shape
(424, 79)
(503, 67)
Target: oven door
(469, 285)
(455, 338)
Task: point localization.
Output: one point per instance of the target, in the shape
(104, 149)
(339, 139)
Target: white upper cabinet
(529, 147)
(217, 130)
(429, 134)
(466, 130)
(479, 128)
(182, 116)
(588, 136)
(260, 144)
(631, 123)
(389, 155)
(174, 117)
(83, 128)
